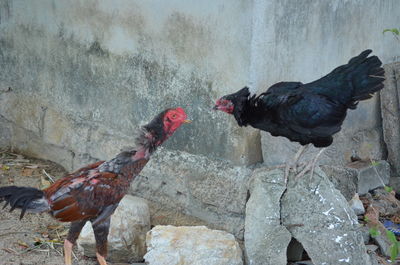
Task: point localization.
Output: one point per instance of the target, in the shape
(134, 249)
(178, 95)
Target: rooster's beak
(187, 121)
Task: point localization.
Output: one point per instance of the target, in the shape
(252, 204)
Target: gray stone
(319, 217)
(373, 258)
(129, 225)
(384, 244)
(265, 239)
(371, 248)
(344, 179)
(390, 111)
(394, 182)
(187, 245)
(358, 177)
(356, 205)
(211, 190)
(365, 234)
(371, 176)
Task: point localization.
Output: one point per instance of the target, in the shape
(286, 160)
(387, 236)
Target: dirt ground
(37, 238)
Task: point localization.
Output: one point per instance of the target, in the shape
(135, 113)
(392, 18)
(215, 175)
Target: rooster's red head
(173, 119)
(161, 127)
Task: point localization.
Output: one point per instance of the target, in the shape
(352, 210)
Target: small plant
(394, 31)
(394, 248)
(374, 232)
(388, 189)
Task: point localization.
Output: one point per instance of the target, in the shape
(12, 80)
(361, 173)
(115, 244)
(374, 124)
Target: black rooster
(308, 113)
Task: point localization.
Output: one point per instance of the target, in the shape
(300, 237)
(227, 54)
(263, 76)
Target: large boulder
(129, 225)
(211, 190)
(319, 217)
(265, 239)
(186, 245)
(390, 111)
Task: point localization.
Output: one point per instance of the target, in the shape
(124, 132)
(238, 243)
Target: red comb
(180, 110)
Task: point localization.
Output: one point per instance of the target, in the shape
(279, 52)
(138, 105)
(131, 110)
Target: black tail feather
(367, 76)
(23, 198)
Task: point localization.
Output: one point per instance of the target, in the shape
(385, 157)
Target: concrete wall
(84, 75)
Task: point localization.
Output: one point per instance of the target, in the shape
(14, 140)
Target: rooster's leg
(101, 233)
(311, 165)
(73, 235)
(296, 158)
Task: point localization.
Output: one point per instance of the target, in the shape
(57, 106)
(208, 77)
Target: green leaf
(394, 251)
(374, 232)
(390, 235)
(393, 31)
(388, 189)
(366, 219)
(374, 163)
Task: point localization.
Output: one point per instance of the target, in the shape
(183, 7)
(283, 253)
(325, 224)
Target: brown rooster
(92, 193)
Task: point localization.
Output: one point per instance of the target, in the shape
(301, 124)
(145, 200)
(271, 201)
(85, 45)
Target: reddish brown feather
(60, 204)
(83, 194)
(74, 213)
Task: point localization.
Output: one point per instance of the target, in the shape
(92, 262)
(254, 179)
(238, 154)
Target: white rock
(357, 205)
(129, 225)
(194, 245)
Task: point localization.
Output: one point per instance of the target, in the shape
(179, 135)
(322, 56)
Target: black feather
(21, 197)
(313, 112)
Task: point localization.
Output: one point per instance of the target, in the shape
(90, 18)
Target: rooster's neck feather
(150, 137)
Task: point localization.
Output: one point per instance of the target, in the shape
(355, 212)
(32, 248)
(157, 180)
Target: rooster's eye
(173, 116)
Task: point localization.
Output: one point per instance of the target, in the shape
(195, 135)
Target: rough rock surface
(356, 205)
(344, 179)
(129, 225)
(319, 217)
(187, 245)
(371, 176)
(266, 240)
(390, 111)
(358, 177)
(211, 190)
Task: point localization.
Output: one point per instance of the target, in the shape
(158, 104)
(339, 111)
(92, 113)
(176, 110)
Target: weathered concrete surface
(127, 239)
(212, 190)
(265, 239)
(84, 76)
(5, 133)
(390, 107)
(319, 217)
(187, 245)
